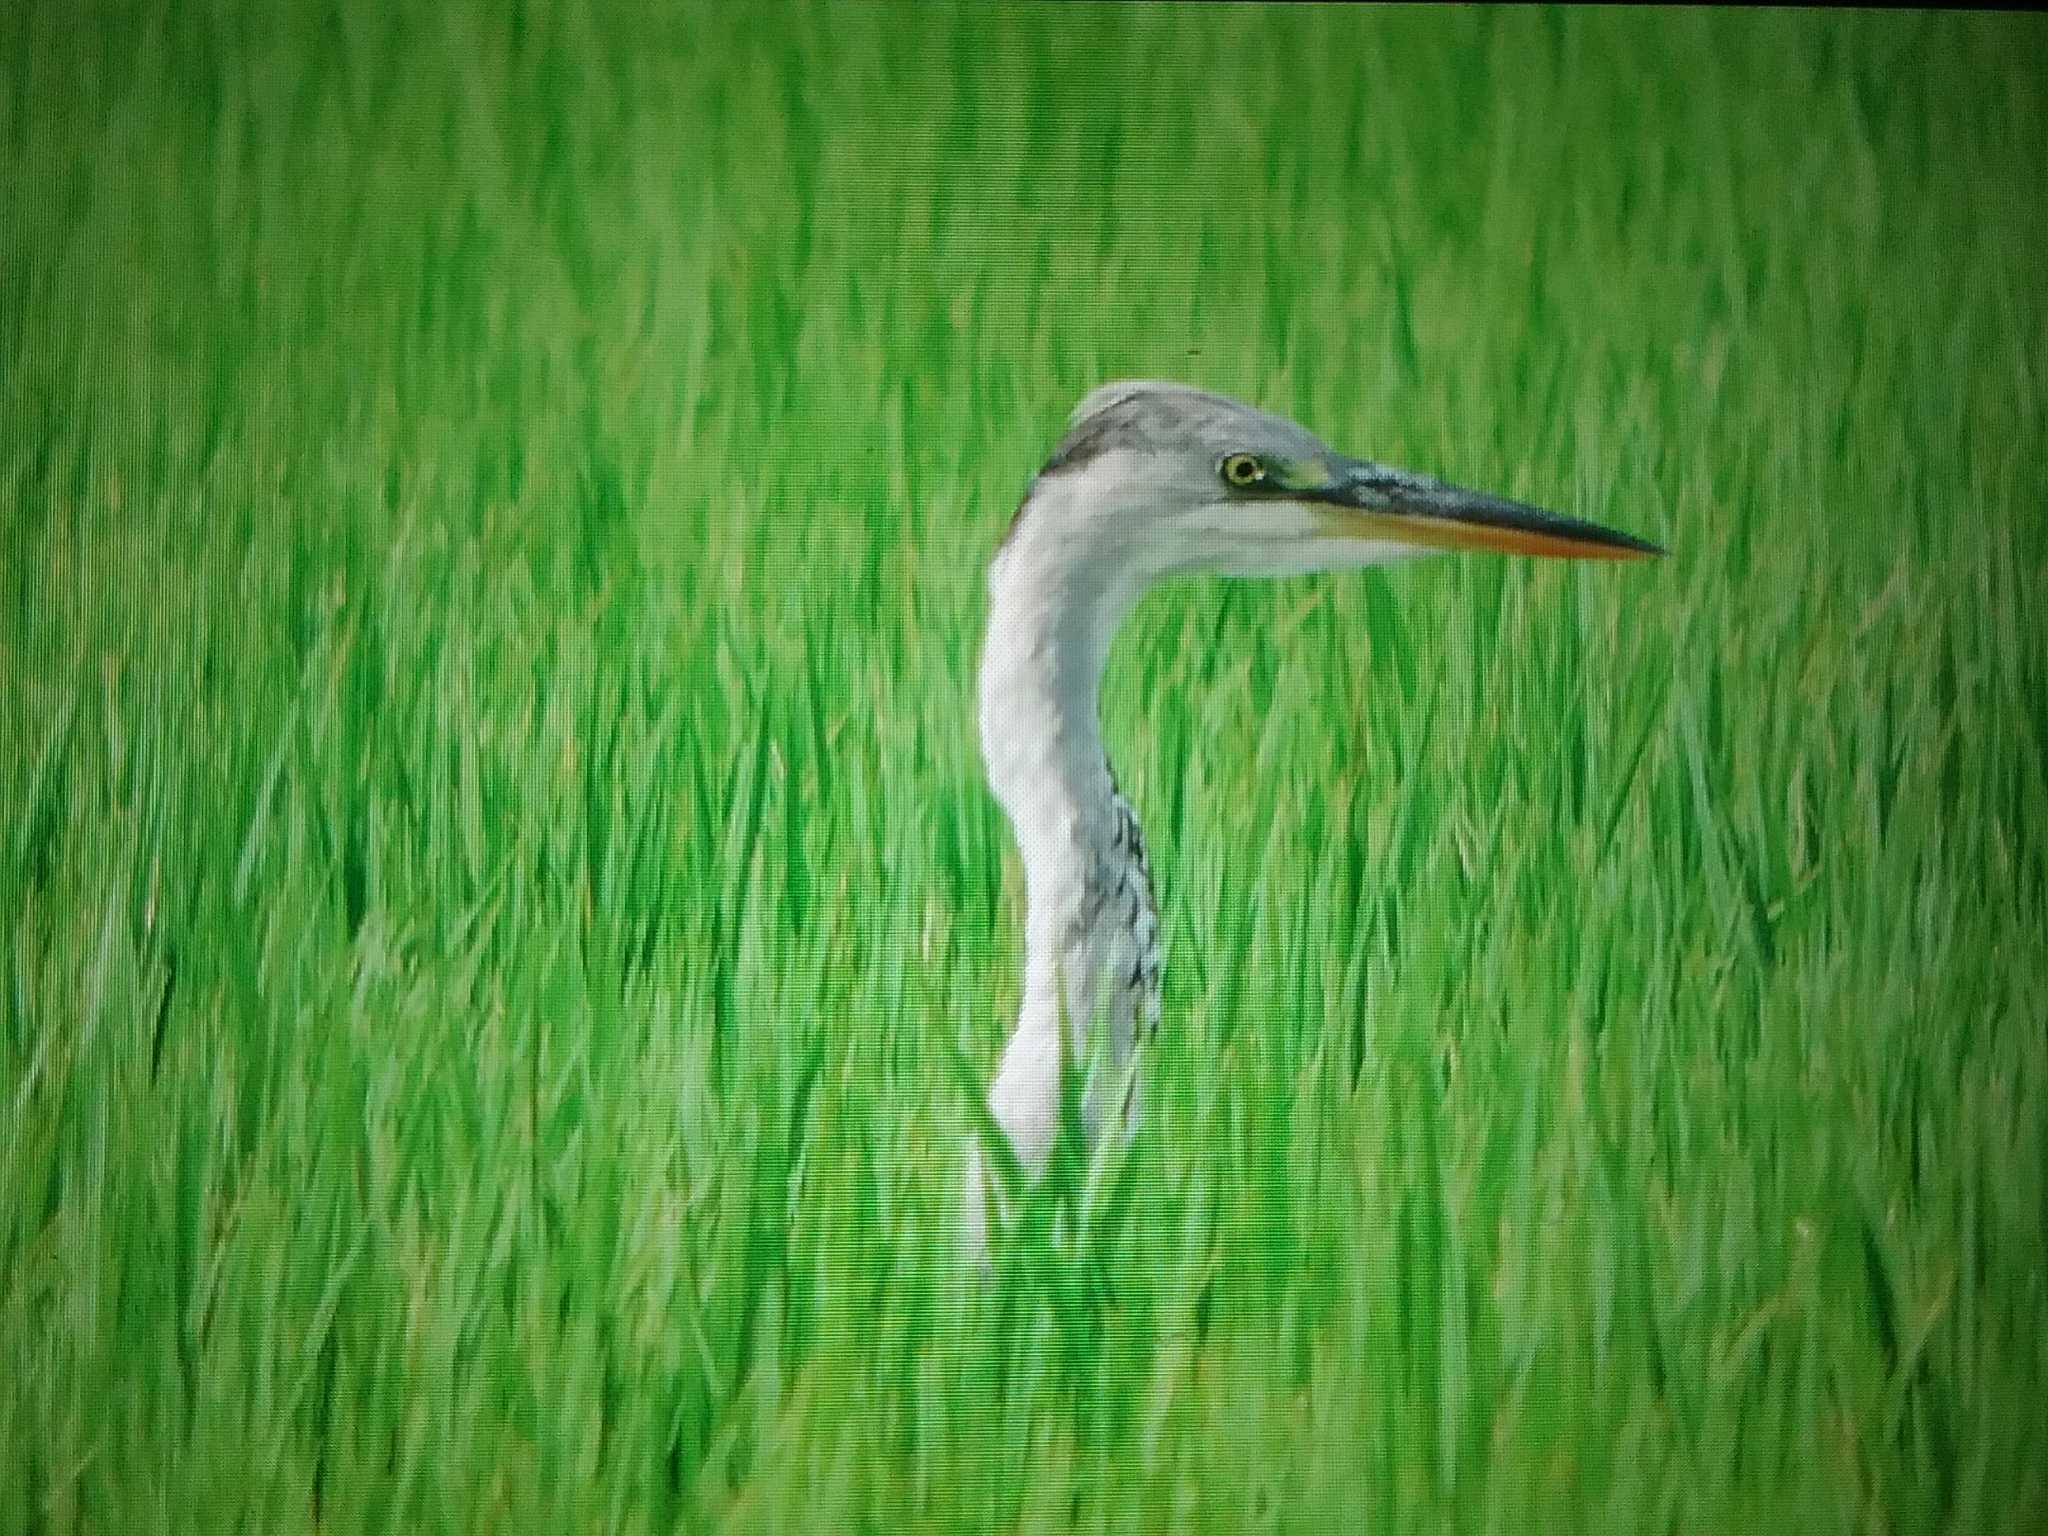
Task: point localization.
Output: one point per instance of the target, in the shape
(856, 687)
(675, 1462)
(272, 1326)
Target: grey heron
(1150, 481)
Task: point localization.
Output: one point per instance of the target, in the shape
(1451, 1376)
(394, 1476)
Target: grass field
(501, 922)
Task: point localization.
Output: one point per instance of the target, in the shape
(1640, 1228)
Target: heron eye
(1242, 470)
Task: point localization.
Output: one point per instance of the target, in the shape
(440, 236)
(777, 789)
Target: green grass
(498, 888)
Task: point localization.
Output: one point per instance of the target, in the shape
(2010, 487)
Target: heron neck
(1053, 610)
(1052, 616)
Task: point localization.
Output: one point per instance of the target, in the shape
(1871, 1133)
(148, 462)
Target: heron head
(1161, 479)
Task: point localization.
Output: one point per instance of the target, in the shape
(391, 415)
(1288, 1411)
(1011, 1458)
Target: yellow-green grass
(501, 923)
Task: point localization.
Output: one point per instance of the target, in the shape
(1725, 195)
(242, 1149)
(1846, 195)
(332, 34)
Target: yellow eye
(1242, 470)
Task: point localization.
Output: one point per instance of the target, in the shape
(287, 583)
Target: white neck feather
(1055, 604)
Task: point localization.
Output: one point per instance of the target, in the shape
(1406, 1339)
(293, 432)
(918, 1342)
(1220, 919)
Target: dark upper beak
(1384, 503)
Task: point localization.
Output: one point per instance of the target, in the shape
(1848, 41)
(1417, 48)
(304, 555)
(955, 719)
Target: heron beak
(1374, 501)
